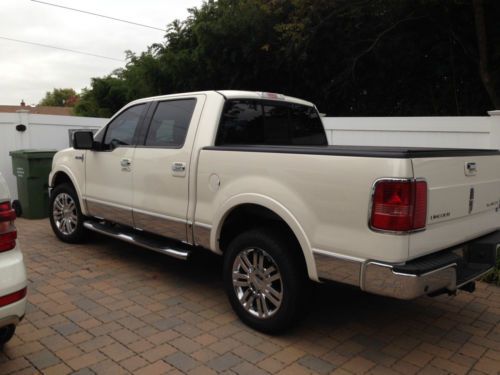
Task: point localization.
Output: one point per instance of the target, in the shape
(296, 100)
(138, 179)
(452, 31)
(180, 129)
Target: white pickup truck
(250, 176)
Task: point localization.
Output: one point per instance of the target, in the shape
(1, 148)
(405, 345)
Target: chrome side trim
(136, 239)
(379, 278)
(109, 211)
(201, 234)
(337, 267)
(162, 225)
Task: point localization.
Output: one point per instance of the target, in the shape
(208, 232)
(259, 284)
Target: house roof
(39, 110)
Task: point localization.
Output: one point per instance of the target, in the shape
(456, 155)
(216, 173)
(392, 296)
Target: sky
(27, 72)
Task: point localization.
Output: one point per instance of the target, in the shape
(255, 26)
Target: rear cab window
(266, 122)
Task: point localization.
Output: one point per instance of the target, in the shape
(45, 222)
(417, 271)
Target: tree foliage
(60, 98)
(350, 57)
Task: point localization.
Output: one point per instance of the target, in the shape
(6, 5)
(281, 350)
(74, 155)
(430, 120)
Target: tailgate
(463, 200)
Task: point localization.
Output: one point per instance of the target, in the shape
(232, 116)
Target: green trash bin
(32, 168)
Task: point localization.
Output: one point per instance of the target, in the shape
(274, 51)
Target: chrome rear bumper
(445, 271)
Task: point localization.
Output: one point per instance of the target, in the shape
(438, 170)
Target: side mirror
(83, 140)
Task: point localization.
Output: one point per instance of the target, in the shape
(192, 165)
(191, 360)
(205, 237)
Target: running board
(164, 247)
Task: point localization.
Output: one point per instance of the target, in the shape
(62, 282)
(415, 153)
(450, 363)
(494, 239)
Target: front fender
(77, 181)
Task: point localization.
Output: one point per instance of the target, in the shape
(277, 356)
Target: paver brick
(181, 361)
(157, 368)
(271, 365)
(316, 364)
(43, 359)
(59, 369)
(418, 358)
(224, 362)
(117, 352)
(158, 352)
(133, 363)
(488, 365)
(85, 360)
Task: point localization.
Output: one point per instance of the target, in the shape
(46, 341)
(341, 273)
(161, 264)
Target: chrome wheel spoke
(264, 305)
(245, 262)
(260, 309)
(249, 302)
(273, 278)
(269, 270)
(271, 298)
(240, 279)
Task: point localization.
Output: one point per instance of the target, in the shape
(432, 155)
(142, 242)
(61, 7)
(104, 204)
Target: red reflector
(6, 212)
(399, 205)
(13, 297)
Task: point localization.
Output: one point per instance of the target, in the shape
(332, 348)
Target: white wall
(448, 132)
(43, 132)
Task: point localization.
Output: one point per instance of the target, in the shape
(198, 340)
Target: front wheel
(66, 217)
(265, 279)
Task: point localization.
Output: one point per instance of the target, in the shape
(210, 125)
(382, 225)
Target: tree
(60, 98)
(350, 57)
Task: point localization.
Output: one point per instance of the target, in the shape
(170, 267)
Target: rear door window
(170, 123)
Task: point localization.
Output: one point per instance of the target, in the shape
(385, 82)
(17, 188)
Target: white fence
(51, 132)
(42, 132)
(447, 132)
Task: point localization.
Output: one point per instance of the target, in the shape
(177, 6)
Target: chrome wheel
(257, 282)
(64, 214)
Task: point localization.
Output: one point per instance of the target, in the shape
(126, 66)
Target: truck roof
(230, 94)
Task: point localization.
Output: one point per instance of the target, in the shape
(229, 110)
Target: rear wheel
(66, 216)
(6, 333)
(265, 279)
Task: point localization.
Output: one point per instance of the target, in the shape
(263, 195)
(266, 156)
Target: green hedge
(494, 276)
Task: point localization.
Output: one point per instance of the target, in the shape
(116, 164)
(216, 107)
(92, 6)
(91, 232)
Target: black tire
(286, 255)
(16, 205)
(77, 232)
(6, 333)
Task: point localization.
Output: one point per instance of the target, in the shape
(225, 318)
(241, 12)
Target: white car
(13, 284)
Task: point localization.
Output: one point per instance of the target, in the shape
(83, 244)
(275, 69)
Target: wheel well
(61, 178)
(248, 216)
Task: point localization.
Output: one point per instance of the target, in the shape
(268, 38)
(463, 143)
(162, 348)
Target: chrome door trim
(201, 233)
(166, 226)
(109, 211)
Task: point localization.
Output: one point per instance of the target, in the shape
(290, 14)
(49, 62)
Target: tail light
(13, 297)
(8, 232)
(399, 205)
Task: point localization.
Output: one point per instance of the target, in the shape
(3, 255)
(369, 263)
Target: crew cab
(13, 282)
(250, 176)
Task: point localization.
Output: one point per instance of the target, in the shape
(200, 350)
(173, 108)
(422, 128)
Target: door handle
(178, 167)
(125, 163)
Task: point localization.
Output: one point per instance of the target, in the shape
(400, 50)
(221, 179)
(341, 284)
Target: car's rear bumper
(445, 271)
(12, 280)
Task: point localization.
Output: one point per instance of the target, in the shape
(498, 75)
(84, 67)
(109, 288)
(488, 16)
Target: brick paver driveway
(109, 308)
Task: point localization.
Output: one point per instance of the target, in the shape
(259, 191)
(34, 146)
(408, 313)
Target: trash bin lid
(33, 153)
